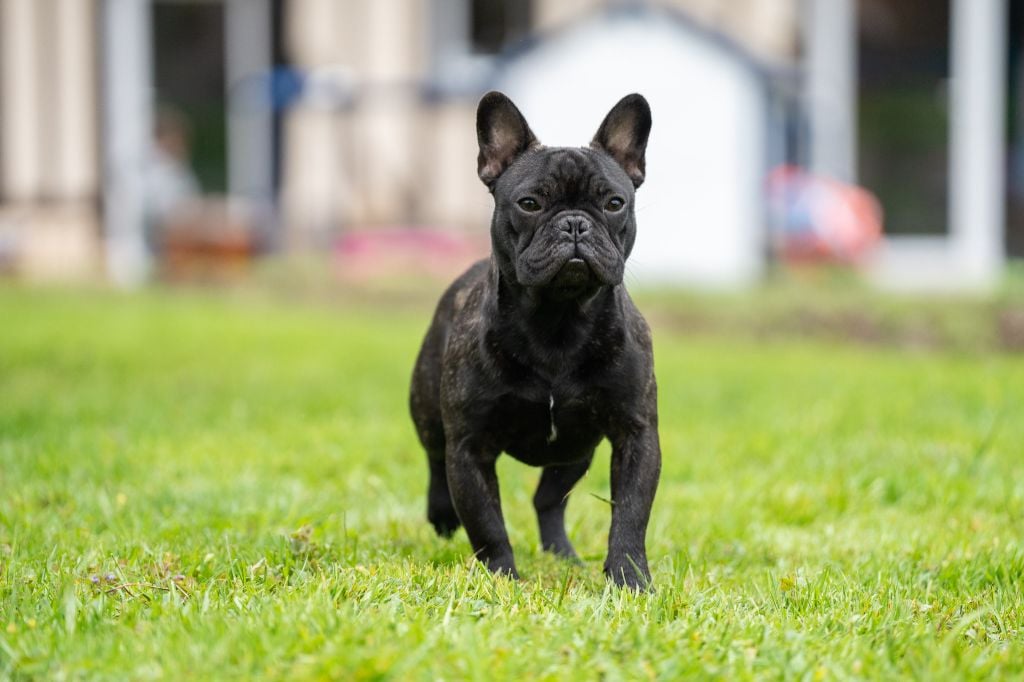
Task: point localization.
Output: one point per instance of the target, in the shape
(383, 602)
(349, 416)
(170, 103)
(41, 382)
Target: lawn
(207, 486)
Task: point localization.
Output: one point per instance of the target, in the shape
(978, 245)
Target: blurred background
(188, 140)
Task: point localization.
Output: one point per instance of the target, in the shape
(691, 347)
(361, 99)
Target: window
(903, 117)
(496, 24)
(1015, 132)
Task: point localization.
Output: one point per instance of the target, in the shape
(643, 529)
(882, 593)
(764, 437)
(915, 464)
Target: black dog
(539, 351)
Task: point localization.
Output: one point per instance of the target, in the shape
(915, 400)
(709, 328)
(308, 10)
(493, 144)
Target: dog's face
(564, 219)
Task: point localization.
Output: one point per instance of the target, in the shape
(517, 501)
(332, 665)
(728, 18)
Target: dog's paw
(504, 566)
(444, 521)
(629, 573)
(563, 550)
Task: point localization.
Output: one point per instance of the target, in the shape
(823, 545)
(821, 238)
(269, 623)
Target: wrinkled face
(564, 220)
(563, 217)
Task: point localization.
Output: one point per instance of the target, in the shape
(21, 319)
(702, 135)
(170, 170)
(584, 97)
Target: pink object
(401, 251)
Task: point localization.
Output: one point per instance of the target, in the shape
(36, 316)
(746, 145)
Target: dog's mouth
(574, 273)
(575, 277)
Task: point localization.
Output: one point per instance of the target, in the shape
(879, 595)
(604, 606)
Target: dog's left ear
(623, 134)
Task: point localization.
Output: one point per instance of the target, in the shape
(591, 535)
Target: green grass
(202, 486)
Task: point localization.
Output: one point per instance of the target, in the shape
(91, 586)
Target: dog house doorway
(188, 79)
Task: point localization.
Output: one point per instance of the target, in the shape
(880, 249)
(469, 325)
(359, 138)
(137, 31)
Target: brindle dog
(538, 351)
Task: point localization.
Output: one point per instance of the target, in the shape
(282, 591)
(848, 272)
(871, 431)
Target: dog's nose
(576, 226)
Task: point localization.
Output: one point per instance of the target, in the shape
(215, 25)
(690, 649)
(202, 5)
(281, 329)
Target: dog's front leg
(636, 465)
(473, 484)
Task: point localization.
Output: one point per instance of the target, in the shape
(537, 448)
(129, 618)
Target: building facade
(368, 120)
(317, 116)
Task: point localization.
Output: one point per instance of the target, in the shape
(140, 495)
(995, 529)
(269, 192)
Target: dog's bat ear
(623, 134)
(503, 135)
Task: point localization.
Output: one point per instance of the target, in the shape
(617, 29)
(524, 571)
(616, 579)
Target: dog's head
(564, 218)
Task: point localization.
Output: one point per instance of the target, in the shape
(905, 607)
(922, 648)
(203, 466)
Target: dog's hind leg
(550, 501)
(440, 510)
(425, 407)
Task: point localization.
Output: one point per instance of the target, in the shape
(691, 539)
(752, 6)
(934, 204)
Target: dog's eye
(615, 204)
(529, 204)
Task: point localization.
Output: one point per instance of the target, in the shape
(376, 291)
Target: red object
(820, 219)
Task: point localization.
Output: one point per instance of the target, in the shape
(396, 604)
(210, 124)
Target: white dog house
(701, 210)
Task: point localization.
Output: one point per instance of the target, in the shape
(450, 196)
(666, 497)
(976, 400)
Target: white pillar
(830, 29)
(76, 85)
(128, 132)
(22, 162)
(977, 145)
(249, 60)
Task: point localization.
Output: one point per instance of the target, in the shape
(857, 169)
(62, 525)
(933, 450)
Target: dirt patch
(1011, 329)
(967, 328)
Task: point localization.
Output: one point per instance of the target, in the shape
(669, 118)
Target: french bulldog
(538, 351)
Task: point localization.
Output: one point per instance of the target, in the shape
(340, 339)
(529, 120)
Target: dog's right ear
(503, 135)
(623, 134)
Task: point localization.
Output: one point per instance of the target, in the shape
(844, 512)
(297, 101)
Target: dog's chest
(542, 428)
